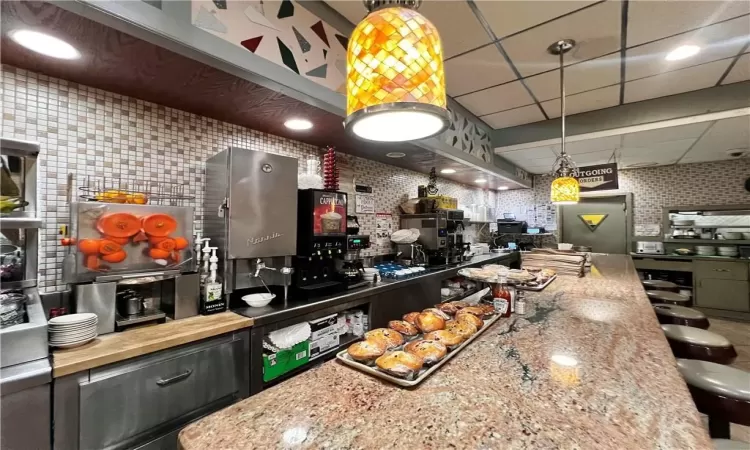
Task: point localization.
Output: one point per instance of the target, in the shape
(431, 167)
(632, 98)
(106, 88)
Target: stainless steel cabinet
(722, 285)
(144, 400)
(25, 406)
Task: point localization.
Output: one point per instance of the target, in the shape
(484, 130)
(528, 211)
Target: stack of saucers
(705, 250)
(728, 250)
(72, 330)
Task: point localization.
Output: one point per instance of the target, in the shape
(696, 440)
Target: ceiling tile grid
(676, 82)
(740, 71)
(500, 98)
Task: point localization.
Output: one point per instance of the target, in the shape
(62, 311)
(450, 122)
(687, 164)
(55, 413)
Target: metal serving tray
(537, 288)
(343, 356)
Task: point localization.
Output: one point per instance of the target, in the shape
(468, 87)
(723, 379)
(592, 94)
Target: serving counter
(587, 366)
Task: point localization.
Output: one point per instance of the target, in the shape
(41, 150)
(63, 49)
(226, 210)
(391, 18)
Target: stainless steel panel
(27, 341)
(185, 299)
(97, 298)
(25, 419)
(262, 204)
(151, 393)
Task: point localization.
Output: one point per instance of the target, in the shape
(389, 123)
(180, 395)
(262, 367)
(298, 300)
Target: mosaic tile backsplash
(88, 131)
(710, 183)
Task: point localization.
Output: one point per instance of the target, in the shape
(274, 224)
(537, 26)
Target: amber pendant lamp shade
(395, 83)
(565, 189)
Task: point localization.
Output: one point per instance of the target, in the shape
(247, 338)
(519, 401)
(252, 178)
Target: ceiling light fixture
(45, 44)
(682, 52)
(480, 180)
(395, 83)
(395, 154)
(448, 171)
(503, 188)
(565, 189)
(298, 124)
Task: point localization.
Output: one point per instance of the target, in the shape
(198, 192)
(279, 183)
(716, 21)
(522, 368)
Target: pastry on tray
(463, 328)
(366, 351)
(445, 337)
(449, 308)
(403, 327)
(440, 313)
(429, 321)
(411, 317)
(460, 304)
(489, 310)
(400, 364)
(479, 311)
(391, 338)
(469, 317)
(430, 351)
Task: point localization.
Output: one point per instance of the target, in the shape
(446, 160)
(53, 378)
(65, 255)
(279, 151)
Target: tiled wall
(711, 183)
(88, 131)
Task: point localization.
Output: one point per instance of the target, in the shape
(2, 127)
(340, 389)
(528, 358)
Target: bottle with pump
(212, 299)
(205, 268)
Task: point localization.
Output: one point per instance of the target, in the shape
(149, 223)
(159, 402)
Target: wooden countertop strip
(115, 347)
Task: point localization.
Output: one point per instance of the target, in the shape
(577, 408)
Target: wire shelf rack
(135, 191)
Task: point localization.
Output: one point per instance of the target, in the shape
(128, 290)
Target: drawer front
(121, 405)
(660, 264)
(722, 270)
(731, 295)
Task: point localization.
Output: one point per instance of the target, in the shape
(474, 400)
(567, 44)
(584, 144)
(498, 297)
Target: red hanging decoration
(330, 171)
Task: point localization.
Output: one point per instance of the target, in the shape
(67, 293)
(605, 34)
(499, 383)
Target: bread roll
(411, 318)
(366, 351)
(465, 316)
(443, 336)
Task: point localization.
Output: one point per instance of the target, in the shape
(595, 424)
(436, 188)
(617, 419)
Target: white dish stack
(705, 250)
(72, 330)
(729, 250)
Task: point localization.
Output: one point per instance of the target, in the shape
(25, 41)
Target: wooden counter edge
(66, 362)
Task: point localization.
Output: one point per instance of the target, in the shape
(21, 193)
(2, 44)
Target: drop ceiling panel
(587, 159)
(506, 18)
(580, 77)
(459, 28)
(655, 152)
(529, 153)
(718, 41)
(724, 135)
(596, 31)
(740, 71)
(608, 143)
(586, 101)
(644, 138)
(650, 20)
(496, 99)
(677, 82)
(476, 70)
(518, 116)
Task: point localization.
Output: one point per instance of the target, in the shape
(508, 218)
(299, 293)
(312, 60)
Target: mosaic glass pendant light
(565, 189)
(395, 82)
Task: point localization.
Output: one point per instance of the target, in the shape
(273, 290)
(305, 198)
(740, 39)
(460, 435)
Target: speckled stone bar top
(587, 367)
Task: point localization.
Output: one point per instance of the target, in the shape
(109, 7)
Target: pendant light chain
(562, 99)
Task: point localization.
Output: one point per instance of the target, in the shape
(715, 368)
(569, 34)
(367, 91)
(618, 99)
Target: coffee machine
(433, 234)
(455, 230)
(352, 272)
(321, 242)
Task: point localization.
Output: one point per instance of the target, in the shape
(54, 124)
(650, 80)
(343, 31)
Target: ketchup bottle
(501, 299)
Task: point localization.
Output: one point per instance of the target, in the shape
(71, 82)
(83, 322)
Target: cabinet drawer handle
(721, 270)
(174, 379)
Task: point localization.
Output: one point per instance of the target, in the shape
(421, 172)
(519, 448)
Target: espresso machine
(352, 272)
(433, 235)
(321, 243)
(455, 230)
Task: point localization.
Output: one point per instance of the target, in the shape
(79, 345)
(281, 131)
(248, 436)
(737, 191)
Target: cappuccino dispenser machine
(250, 214)
(321, 242)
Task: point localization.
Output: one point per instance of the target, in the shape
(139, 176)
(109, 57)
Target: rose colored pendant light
(395, 83)
(565, 189)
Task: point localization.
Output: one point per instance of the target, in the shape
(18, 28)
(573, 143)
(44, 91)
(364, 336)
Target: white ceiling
(522, 85)
(702, 141)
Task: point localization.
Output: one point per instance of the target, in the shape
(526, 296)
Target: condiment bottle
(501, 298)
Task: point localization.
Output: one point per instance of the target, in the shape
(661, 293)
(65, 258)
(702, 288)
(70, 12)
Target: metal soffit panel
(622, 44)
(122, 63)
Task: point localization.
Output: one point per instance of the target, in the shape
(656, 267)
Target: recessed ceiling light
(448, 171)
(480, 180)
(682, 52)
(45, 44)
(503, 188)
(298, 124)
(395, 154)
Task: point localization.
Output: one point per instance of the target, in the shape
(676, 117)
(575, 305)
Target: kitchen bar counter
(115, 347)
(279, 311)
(587, 367)
(689, 257)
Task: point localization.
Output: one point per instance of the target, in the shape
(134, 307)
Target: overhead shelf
(20, 222)
(708, 241)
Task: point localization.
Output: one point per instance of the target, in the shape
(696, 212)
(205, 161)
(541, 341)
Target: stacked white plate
(728, 250)
(72, 330)
(405, 236)
(705, 250)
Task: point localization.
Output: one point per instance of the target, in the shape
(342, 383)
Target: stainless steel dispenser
(250, 214)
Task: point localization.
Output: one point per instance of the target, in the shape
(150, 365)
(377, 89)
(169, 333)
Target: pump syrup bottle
(212, 287)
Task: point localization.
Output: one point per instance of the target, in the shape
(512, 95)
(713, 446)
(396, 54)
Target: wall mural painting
(280, 31)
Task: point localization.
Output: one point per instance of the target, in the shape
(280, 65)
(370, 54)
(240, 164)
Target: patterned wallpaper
(280, 31)
(87, 131)
(466, 136)
(711, 183)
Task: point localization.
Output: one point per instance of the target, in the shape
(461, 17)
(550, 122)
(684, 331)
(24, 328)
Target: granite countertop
(587, 367)
(114, 347)
(280, 310)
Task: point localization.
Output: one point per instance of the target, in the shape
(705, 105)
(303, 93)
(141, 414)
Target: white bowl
(258, 300)
(732, 235)
(562, 246)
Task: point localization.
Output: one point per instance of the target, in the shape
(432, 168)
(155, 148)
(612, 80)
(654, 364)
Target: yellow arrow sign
(592, 220)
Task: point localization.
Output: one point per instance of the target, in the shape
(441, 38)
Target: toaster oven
(650, 248)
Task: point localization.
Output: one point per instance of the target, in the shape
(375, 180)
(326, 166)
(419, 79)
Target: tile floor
(738, 334)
